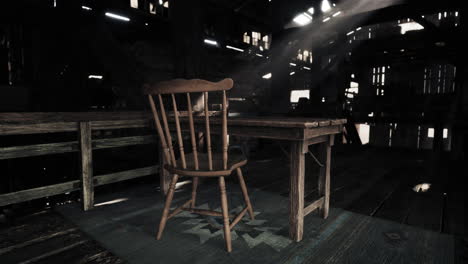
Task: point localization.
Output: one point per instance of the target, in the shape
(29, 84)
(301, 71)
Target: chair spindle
(208, 136)
(192, 132)
(224, 132)
(179, 132)
(168, 132)
(159, 129)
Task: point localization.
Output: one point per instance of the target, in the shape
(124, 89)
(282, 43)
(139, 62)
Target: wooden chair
(196, 164)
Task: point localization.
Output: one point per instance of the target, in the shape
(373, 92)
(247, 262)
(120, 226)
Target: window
(134, 3)
(325, 6)
(364, 132)
(152, 8)
(353, 90)
(410, 26)
(445, 133)
(296, 94)
(255, 38)
(266, 42)
(304, 55)
(439, 78)
(246, 38)
(430, 132)
(378, 79)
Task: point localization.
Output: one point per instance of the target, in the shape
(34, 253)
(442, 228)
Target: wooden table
(301, 132)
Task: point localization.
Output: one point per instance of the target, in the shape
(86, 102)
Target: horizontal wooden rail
(70, 186)
(82, 123)
(311, 207)
(41, 128)
(72, 146)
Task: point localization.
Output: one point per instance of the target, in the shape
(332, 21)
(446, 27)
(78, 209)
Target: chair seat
(234, 161)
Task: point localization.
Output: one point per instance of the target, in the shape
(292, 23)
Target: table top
(277, 121)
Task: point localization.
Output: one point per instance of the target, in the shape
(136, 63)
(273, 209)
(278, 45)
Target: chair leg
(167, 205)
(224, 205)
(245, 193)
(194, 191)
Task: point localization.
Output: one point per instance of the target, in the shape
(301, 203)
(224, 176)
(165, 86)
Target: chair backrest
(181, 86)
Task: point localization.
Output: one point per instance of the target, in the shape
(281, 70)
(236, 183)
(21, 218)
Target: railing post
(86, 154)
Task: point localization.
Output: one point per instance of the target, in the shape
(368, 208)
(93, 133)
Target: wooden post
(324, 176)
(296, 191)
(86, 150)
(164, 175)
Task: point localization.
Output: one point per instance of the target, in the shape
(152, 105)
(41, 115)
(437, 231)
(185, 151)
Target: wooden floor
(46, 237)
(376, 217)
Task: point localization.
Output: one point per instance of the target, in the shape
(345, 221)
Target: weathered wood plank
(313, 141)
(40, 128)
(23, 129)
(37, 150)
(125, 175)
(72, 146)
(74, 117)
(36, 240)
(122, 141)
(296, 191)
(118, 124)
(329, 130)
(54, 252)
(40, 192)
(86, 151)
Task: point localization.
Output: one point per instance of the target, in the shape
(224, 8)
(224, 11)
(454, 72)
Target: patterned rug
(126, 225)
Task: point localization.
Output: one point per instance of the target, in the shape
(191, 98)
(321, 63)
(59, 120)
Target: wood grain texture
(208, 132)
(70, 186)
(296, 191)
(192, 133)
(71, 146)
(225, 208)
(245, 193)
(313, 206)
(124, 175)
(167, 205)
(180, 142)
(324, 176)
(86, 167)
(187, 86)
(40, 192)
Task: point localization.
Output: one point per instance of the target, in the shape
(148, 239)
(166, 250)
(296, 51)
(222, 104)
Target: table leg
(164, 175)
(324, 176)
(296, 191)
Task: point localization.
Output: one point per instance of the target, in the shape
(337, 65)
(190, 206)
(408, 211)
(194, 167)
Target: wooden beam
(41, 192)
(72, 146)
(125, 175)
(311, 207)
(86, 151)
(18, 129)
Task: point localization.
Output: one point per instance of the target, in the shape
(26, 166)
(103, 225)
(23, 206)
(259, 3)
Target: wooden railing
(83, 124)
